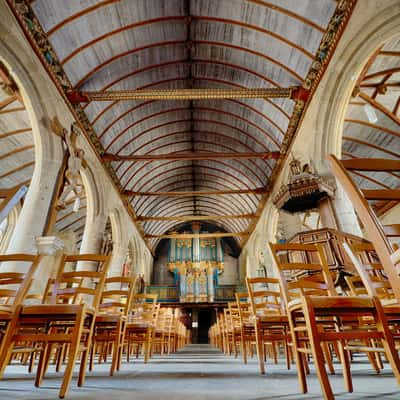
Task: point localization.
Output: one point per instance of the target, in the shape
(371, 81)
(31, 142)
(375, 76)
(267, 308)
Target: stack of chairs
(271, 324)
(81, 313)
(141, 325)
(66, 319)
(110, 324)
(320, 320)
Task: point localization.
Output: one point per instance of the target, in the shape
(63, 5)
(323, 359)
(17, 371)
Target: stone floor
(198, 372)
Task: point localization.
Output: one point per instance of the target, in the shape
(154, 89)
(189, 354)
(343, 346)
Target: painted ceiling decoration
(372, 122)
(238, 76)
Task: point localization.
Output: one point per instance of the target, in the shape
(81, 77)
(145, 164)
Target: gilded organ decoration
(196, 264)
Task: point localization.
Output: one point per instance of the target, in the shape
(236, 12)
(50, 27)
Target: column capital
(48, 245)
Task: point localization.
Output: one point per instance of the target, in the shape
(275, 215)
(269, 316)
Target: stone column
(51, 249)
(93, 234)
(117, 260)
(92, 237)
(33, 216)
(345, 214)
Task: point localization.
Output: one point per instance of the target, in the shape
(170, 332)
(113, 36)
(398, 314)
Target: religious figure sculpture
(76, 161)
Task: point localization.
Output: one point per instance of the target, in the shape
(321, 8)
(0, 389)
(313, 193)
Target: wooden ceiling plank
(192, 156)
(372, 145)
(380, 107)
(143, 218)
(107, 35)
(16, 132)
(375, 126)
(79, 14)
(289, 13)
(17, 150)
(200, 235)
(256, 191)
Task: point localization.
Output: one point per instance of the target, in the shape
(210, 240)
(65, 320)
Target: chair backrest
(370, 270)
(14, 286)
(264, 296)
(83, 285)
(355, 285)
(298, 276)
(244, 307)
(145, 308)
(373, 227)
(117, 295)
(234, 314)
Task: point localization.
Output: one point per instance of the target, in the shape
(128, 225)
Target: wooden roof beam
(193, 156)
(199, 235)
(258, 191)
(181, 94)
(144, 218)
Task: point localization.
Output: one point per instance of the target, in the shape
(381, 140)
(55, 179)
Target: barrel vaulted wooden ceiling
(109, 45)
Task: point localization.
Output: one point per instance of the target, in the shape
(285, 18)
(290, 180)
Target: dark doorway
(206, 318)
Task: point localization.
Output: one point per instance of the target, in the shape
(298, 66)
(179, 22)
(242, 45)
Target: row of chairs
(81, 314)
(321, 323)
(301, 314)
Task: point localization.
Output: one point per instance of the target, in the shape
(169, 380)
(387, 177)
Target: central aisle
(197, 372)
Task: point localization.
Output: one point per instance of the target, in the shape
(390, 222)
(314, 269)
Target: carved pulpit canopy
(304, 189)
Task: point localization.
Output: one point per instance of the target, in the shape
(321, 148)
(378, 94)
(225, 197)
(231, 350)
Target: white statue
(75, 162)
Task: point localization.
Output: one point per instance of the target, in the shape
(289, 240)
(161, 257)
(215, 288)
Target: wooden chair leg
(299, 357)
(287, 353)
(7, 345)
(260, 349)
(72, 355)
(115, 350)
(387, 341)
(344, 356)
(243, 346)
(31, 361)
(328, 357)
(317, 353)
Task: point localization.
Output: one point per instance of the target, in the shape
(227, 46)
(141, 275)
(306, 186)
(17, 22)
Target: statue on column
(72, 177)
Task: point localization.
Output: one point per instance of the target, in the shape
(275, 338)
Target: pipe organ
(196, 264)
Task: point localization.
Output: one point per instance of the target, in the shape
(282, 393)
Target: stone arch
(95, 203)
(116, 227)
(339, 87)
(48, 151)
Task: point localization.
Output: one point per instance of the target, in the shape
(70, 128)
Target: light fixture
(77, 204)
(371, 114)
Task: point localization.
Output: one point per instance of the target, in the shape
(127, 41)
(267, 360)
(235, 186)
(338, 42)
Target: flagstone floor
(197, 372)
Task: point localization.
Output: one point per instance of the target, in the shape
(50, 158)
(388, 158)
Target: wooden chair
(14, 287)
(68, 318)
(247, 330)
(110, 324)
(270, 321)
(371, 272)
(318, 316)
(388, 256)
(234, 326)
(141, 324)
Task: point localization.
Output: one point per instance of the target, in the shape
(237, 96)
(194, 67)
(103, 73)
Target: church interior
(199, 199)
